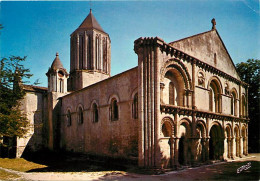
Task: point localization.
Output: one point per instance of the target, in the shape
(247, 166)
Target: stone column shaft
(77, 54)
(176, 152)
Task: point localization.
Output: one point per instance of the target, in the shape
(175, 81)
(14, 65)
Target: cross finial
(213, 21)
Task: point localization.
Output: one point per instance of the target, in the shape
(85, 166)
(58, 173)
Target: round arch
(202, 126)
(237, 140)
(186, 123)
(168, 127)
(180, 67)
(217, 81)
(228, 131)
(113, 96)
(216, 141)
(244, 138)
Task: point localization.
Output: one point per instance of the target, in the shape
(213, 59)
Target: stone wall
(34, 105)
(104, 137)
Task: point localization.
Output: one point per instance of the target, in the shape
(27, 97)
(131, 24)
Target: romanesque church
(184, 103)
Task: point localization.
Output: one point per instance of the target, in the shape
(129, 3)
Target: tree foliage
(249, 73)
(12, 73)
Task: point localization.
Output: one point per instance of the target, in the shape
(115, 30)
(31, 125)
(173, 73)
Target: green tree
(249, 73)
(13, 123)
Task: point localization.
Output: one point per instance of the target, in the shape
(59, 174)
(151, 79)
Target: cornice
(171, 109)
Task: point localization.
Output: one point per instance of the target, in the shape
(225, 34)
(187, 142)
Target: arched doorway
(181, 151)
(166, 144)
(237, 141)
(184, 152)
(200, 144)
(216, 143)
(244, 139)
(228, 141)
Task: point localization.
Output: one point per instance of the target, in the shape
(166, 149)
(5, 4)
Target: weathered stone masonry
(184, 104)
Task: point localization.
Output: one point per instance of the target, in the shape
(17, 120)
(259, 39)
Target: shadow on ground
(72, 162)
(68, 162)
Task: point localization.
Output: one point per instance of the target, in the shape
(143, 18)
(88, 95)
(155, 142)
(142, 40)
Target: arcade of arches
(183, 143)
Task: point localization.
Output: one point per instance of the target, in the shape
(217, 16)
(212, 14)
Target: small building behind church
(183, 104)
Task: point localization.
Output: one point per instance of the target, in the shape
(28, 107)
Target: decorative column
(193, 83)
(162, 85)
(85, 52)
(77, 53)
(176, 153)
(207, 148)
(240, 146)
(195, 152)
(246, 139)
(171, 142)
(147, 50)
(232, 148)
(240, 102)
(203, 150)
(244, 145)
(93, 55)
(229, 147)
(236, 142)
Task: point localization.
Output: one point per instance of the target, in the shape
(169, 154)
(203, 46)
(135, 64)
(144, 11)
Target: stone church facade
(183, 104)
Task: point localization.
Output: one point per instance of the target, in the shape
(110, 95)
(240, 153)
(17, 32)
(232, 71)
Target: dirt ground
(244, 169)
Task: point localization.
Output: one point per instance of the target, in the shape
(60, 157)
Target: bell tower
(90, 55)
(57, 76)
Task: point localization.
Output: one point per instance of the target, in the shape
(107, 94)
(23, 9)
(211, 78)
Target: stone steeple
(90, 22)
(90, 54)
(57, 76)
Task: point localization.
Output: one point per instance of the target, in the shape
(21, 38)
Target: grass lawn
(19, 164)
(7, 176)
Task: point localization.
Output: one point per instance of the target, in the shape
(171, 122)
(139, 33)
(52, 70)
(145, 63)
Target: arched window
(97, 53)
(114, 110)
(243, 106)
(167, 129)
(214, 96)
(105, 55)
(80, 115)
(211, 99)
(95, 113)
(171, 93)
(61, 85)
(233, 103)
(135, 107)
(68, 118)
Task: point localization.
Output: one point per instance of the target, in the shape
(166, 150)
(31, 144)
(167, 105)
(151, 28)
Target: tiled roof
(56, 64)
(90, 22)
(34, 88)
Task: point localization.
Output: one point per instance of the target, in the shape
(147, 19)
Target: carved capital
(162, 85)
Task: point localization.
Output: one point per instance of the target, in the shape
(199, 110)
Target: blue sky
(40, 29)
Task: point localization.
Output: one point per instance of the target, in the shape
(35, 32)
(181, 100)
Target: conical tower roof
(56, 64)
(90, 22)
